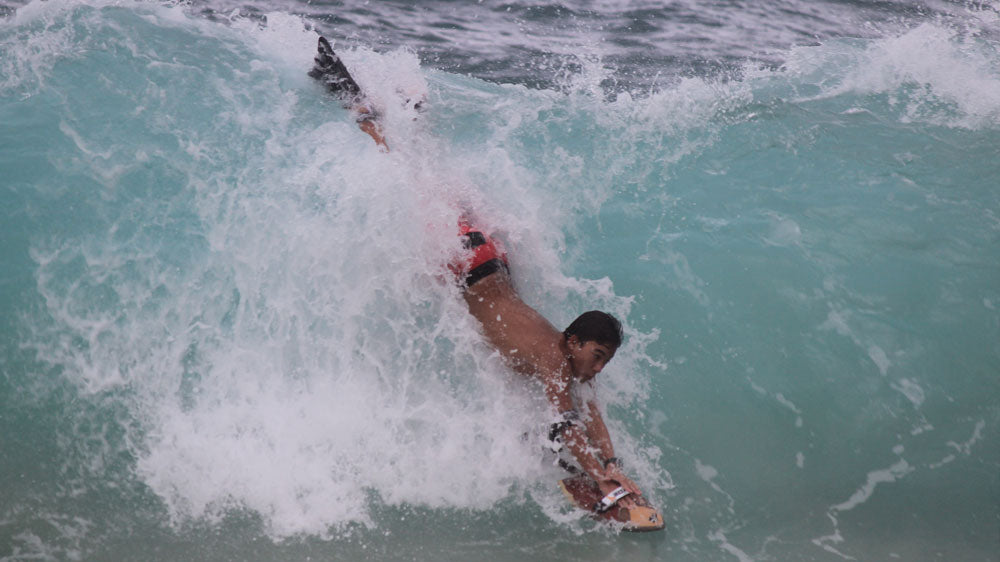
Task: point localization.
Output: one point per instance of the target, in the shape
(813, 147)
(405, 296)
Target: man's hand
(614, 477)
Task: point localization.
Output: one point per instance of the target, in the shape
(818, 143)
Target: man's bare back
(528, 342)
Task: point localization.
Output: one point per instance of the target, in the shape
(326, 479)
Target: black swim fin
(330, 70)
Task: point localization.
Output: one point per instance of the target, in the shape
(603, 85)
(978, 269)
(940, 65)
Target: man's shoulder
(549, 350)
(553, 366)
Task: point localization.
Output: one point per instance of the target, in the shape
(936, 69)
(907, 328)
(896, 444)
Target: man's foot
(330, 70)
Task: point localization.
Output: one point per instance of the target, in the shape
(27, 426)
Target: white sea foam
(791, 406)
(966, 447)
(911, 390)
(784, 232)
(931, 73)
(720, 537)
(883, 476)
(881, 360)
(874, 478)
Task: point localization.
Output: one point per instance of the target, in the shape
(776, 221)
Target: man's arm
(374, 131)
(599, 436)
(573, 432)
(598, 432)
(578, 433)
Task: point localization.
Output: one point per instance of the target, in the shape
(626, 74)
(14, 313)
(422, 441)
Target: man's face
(588, 358)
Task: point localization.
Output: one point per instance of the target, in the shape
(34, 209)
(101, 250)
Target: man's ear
(573, 340)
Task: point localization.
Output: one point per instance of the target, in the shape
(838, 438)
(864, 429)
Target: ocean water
(227, 330)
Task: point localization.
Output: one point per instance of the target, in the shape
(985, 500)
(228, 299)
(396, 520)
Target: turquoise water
(227, 331)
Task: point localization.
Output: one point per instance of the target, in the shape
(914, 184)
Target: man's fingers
(629, 485)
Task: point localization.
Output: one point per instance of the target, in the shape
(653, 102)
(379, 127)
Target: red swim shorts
(484, 256)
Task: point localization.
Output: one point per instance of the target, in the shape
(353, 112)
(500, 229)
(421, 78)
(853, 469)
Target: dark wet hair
(596, 326)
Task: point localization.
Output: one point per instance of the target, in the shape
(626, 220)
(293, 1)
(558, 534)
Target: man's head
(592, 340)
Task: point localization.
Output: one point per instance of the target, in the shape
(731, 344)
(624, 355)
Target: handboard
(330, 70)
(583, 492)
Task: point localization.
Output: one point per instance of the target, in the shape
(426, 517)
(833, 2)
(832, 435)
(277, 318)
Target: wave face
(228, 330)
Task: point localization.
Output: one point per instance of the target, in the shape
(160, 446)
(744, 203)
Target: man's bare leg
(330, 70)
(374, 131)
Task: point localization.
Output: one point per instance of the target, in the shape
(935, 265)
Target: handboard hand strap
(610, 499)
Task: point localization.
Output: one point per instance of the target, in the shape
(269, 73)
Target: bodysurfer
(564, 362)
